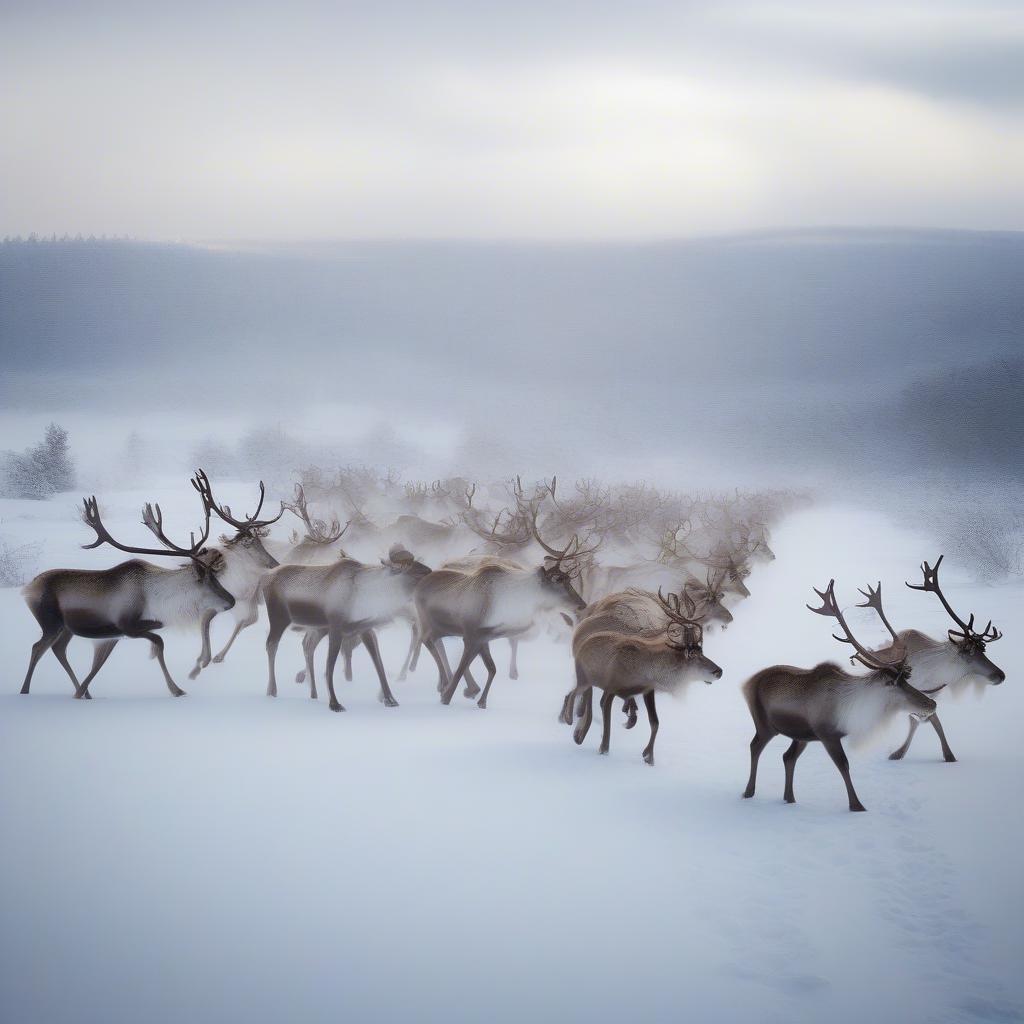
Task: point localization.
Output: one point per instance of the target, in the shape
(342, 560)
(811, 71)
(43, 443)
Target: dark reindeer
(132, 599)
(827, 704)
(631, 646)
(941, 666)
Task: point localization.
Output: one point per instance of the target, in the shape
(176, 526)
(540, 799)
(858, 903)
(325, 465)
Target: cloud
(527, 120)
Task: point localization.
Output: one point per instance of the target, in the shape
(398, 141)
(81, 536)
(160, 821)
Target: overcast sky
(539, 118)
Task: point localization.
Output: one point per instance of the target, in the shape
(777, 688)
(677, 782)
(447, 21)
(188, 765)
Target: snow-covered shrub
(18, 563)
(42, 470)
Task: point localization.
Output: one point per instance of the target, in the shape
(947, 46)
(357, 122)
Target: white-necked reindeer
(827, 704)
(496, 600)
(244, 560)
(340, 601)
(940, 666)
(132, 599)
(631, 646)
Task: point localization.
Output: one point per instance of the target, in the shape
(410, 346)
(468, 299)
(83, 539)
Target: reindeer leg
(279, 621)
(158, 646)
(414, 646)
(761, 739)
(333, 647)
(251, 616)
(579, 734)
(485, 654)
(415, 659)
(60, 652)
(629, 707)
(513, 664)
(309, 645)
(834, 746)
(436, 649)
(652, 717)
(386, 696)
(937, 726)
(348, 645)
(204, 652)
(470, 650)
(606, 718)
(795, 749)
(39, 648)
(899, 752)
(99, 658)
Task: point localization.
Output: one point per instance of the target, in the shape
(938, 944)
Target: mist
(768, 356)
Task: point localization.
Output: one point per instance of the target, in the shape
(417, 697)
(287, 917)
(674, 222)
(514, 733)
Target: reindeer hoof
(602, 750)
(514, 674)
(470, 691)
(950, 759)
(897, 755)
(179, 693)
(747, 794)
(335, 706)
(649, 758)
(300, 677)
(218, 658)
(390, 703)
(195, 672)
(482, 704)
(857, 807)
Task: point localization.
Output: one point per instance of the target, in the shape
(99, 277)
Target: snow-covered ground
(230, 857)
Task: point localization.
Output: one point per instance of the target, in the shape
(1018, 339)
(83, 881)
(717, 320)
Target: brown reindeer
(498, 599)
(629, 646)
(133, 599)
(941, 666)
(827, 704)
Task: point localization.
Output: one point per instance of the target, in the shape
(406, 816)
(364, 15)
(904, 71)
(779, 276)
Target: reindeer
(629, 646)
(133, 599)
(343, 600)
(320, 544)
(496, 600)
(942, 666)
(244, 560)
(827, 704)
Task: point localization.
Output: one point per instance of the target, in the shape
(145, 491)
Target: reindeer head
(561, 568)
(685, 637)
(969, 643)
(403, 562)
(249, 532)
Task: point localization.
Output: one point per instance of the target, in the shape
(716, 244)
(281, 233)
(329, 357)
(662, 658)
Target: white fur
(864, 709)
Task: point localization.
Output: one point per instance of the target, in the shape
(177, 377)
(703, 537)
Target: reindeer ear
(568, 621)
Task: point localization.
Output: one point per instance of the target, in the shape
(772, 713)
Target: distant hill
(764, 345)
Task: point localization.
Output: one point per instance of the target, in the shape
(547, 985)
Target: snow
(226, 856)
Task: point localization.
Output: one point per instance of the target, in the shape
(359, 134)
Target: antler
(317, 530)
(573, 551)
(931, 585)
(201, 482)
(153, 519)
(830, 609)
(874, 600)
(689, 621)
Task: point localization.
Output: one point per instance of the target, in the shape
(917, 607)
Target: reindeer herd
(633, 575)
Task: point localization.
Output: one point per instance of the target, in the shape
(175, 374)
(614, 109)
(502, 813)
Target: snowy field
(229, 857)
